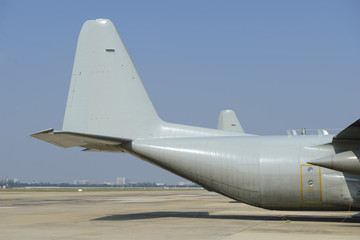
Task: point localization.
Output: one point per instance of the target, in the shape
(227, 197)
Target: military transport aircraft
(109, 110)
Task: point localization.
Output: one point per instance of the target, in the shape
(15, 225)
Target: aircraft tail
(106, 96)
(107, 105)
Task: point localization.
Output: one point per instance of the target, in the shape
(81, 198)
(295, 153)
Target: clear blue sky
(278, 64)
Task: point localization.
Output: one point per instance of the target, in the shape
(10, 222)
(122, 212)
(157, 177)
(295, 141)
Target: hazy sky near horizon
(278, 64)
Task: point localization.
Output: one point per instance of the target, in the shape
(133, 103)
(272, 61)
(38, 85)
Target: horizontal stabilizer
(89, 141)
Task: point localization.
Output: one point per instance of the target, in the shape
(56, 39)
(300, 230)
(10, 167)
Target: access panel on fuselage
(310, 184)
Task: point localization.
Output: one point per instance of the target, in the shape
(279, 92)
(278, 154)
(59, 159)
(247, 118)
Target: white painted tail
(106, 96)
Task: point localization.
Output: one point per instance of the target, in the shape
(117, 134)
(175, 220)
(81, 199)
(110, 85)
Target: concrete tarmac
(168, 214)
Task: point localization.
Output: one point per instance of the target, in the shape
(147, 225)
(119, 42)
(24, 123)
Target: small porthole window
(311, 182)
(310, 169)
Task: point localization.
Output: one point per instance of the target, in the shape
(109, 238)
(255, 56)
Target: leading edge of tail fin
(106, 96)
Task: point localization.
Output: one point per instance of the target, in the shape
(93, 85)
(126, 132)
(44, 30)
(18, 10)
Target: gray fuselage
(269, 172)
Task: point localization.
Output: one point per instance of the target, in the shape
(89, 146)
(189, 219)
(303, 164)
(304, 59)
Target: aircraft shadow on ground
(206, 215)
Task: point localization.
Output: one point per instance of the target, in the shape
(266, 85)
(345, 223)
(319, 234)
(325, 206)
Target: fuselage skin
(268, 172)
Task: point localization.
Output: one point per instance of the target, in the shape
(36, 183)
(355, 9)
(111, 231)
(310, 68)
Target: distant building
(80, 182)
(109, 183)
(121, 181)
(186, 184)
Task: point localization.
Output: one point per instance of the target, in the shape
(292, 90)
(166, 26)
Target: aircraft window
(110, 50)
(311, 182)
(310, 169)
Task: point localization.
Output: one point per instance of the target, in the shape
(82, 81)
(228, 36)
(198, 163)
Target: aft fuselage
(269, 172)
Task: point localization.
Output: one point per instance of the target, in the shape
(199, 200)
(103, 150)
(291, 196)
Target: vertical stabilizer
(106, 95)
(229, 122)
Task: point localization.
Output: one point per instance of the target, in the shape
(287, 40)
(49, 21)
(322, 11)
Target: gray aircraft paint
(109, 110)
(229, 122)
